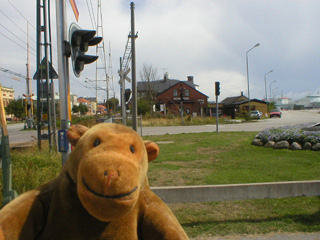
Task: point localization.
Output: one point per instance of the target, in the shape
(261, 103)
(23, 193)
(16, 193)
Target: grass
(211, 158)
(229, 158)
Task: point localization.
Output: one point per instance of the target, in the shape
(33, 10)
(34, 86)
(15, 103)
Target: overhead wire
(16, 43)
(16, 25)
(16, 36)
(22, 15)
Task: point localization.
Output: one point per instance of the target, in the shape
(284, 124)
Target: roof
(238, 101)
(232, 100)
(82, 100)
(184, 82)
(160, 86)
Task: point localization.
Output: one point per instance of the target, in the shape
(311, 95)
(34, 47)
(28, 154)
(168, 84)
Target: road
(16, 135)
(288, 118)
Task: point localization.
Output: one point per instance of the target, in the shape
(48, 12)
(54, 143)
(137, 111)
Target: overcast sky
(207, 39)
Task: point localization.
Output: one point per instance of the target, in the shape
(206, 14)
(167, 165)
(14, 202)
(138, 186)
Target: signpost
(217, 91)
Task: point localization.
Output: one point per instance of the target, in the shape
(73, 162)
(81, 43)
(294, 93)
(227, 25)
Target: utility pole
(133, 37)
(122, 87)
(64, 86)
(28, 80)
(102, 66)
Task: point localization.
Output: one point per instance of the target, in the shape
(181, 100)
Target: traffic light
(181, 96)
(80, 40)
(217, 88)
(127, 94)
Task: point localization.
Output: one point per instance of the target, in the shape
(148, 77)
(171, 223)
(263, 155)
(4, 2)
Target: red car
(275, 113)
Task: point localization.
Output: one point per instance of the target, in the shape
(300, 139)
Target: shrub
(291, 134)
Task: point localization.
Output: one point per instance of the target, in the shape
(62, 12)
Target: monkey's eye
(96, 142)
(132, 148)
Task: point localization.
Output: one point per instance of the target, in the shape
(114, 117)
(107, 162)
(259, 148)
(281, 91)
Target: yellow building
(7, 95)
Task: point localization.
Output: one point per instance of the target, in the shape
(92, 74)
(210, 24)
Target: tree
(75, 109)
(148, 76)
(17, 108)
(83, 109)
(143, 106)
(112, 103)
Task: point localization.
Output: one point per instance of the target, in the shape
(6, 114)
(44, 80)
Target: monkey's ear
(75, 132)
(152, 150)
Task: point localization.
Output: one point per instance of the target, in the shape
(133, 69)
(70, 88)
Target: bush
(290, 134)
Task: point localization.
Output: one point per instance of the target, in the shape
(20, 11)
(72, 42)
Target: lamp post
(257, 45)
(265, 83)
(270, 87)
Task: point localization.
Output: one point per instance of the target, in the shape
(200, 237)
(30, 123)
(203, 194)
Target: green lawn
(211, 158)
(229, 158)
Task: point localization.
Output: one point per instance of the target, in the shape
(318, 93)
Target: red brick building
(168, 96)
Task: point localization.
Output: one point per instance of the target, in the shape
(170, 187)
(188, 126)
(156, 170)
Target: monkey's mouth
(117, 196)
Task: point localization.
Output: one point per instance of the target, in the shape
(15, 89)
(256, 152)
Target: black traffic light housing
(217, 88)
(127, 95)
(80, 40)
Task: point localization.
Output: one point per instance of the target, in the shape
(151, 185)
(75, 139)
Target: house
(170, 94)
(234, 106)
(91, 105)
(102, 109)
(7, 95)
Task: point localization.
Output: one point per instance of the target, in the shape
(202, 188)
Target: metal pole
(217, 116)
(39, 71)
(257, 45)
(133, 66)
(64, 87)
(181, 112)
(248, 83)
(53, 105)
(122, 88)
(46, 49)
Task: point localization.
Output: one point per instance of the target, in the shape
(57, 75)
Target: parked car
(255, 114)
(275, 113)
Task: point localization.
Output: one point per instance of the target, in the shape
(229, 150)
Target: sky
(207, 39)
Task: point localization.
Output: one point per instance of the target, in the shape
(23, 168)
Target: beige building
(7, 95)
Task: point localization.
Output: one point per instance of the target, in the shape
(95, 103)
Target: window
(186, 93)
(175, 93)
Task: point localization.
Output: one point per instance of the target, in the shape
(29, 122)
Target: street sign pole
(217, 115)
(133, 63)
(64, 86)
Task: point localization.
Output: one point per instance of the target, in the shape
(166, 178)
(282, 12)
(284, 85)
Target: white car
(255, 114)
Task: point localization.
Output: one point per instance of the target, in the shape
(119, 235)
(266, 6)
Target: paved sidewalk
(283, 236)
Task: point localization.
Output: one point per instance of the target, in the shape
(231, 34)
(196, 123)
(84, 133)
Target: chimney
(166, 76)
(190, 78)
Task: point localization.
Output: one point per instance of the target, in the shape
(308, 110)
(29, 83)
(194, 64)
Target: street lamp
(265, 83)
(257, 45)
(270, 87)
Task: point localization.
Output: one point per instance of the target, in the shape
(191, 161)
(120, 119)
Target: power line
(16, 36)
(22, 15)
(90, 15)
(16, 25)
(15, 42)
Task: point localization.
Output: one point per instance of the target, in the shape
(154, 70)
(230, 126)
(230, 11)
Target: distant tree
(83, 109)
(143, 106)
(148, 76)
(112, 103)
(17, 108)
(75, 109)
(272, 105)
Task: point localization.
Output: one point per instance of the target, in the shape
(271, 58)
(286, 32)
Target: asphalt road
(288, 118)
(16, 135)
